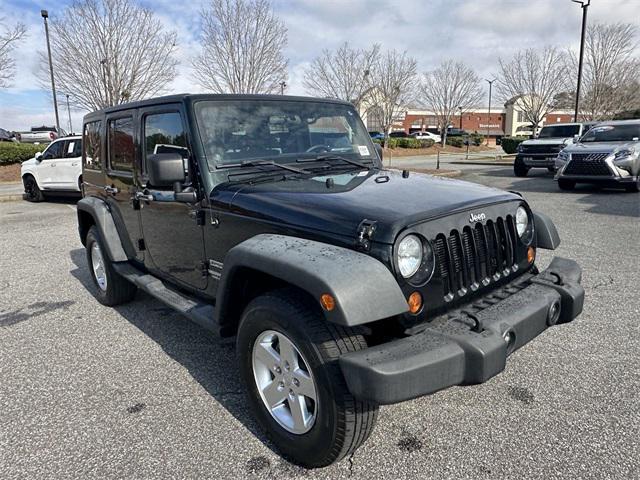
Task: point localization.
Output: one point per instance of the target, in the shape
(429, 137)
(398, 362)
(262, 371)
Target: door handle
(147, 197)
(111, 190)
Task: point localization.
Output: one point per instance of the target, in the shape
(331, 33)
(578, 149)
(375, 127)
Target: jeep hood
(385, 197)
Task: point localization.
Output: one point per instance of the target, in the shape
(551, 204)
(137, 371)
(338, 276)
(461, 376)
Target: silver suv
(608, 155)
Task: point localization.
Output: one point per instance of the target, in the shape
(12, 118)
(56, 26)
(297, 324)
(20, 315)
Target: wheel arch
(363, 288)
(94, 211)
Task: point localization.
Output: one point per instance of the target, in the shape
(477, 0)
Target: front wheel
(519, 168)
(634, 187)
(32, 192)
(288, 355)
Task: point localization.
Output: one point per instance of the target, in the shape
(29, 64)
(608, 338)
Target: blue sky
(475, 31)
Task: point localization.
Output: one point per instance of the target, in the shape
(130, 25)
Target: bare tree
(611, 70)
(391, 88)
(534, 78)
(449, 88)
(106, 52)
(342, 73)
(242, 48)
(9, 37)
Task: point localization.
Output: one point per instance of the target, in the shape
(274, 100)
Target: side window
(73, 149)
(164, 133)
(53, 151)
(121, 148)
(92, 141)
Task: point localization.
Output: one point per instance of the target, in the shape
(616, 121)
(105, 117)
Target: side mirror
(576, 138)
(165, 169)
(378, 148)
(38, 156)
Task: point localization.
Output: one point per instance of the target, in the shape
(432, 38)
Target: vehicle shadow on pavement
(209, 360)
(604, 201)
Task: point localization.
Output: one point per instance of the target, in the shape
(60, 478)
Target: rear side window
(73, 149)
(92, 141)
(121, 148)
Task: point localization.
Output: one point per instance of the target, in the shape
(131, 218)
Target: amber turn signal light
(415, 302)
(531, 254)
(327, 301)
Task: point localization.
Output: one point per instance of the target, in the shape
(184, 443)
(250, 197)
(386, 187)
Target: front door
(173, 239)
(48, 167)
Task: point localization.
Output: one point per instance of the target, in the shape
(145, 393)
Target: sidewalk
(11, 192)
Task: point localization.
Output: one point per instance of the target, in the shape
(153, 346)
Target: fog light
(554, 314)
(415, 302)
(531, 254)
(328, 302)
(510, 339)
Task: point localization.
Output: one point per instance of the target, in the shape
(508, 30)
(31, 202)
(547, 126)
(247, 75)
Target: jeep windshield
(239, 132)
(559, 131)
(613, 133)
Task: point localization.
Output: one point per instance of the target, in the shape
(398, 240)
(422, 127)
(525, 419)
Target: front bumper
(470, 345)
(538, 159)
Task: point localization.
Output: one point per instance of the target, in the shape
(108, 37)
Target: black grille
(548, 149)
(588, 164)
(476, 256)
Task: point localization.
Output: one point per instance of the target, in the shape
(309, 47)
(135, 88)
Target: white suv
(57, 169)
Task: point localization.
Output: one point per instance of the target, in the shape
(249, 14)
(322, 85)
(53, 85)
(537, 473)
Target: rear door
(120, 183)
(70, 165)
(172, 233)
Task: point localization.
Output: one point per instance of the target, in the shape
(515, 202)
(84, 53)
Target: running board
(197, 311)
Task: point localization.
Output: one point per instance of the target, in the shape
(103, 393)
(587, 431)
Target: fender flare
(363, 288)
(546, 233)
(101, 214)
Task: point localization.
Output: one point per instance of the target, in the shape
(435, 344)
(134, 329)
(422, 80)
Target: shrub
(476, 139)
(510, 144)
(455, 141)
(11, 152)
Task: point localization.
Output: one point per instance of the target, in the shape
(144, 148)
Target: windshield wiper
(320, 158)
(269, 163)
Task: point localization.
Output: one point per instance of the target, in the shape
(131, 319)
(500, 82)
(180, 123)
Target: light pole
(460, 110)
(282, 86)
(69, 112)
(45, 15)
(584, 4)
(490, 82)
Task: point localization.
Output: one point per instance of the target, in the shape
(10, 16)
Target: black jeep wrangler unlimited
(347, 286)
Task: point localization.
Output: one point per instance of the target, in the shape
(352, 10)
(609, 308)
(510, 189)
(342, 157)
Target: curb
(11, 198)
(479, 163)
(443, 173)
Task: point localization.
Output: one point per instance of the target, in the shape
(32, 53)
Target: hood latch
(364, 237)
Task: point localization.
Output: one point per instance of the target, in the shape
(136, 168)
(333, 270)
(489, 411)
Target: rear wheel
(32, 192)
(288, 355)
(566, 184)
(519, 168)
(112, 289)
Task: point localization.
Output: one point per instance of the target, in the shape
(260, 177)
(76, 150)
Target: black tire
(342, 423)
(519, 168)
(32, 192)
(566, 184)
(118, 290)
(634, 187)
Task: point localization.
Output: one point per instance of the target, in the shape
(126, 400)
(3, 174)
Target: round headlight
(409, 255)
(523, 225)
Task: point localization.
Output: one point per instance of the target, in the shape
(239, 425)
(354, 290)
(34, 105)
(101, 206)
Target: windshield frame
(215, 168)
(593, 130)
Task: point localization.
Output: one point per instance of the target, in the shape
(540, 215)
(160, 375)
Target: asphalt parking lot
(138, 392)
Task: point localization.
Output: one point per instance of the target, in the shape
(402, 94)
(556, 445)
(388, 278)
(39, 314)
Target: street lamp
(45, 15)
(460, 110)
(584, 4)
(69, 112)
(490, 82)
(282, 86)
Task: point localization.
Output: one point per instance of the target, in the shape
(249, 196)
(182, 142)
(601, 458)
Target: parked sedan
(426, 136)
(57, 169)
(6, 136)
(608, 155)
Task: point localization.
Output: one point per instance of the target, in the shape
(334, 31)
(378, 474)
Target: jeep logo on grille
(477, 217)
